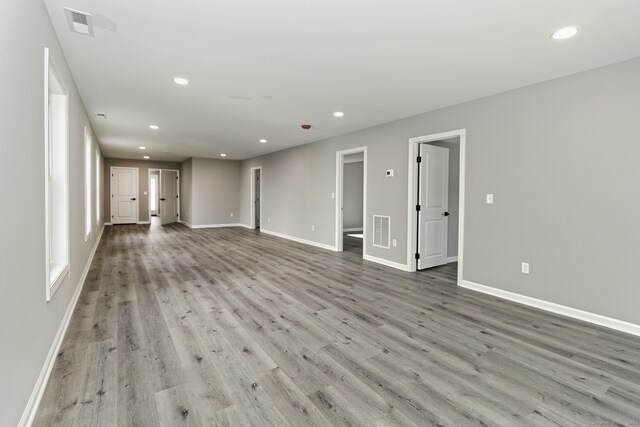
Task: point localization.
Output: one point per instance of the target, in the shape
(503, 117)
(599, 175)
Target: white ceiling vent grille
(79, 22)
(381, 231)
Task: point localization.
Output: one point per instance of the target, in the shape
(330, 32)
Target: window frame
(55, 276)
(88, 174)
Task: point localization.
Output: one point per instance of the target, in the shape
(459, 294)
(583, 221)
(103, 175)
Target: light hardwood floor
(230, 327)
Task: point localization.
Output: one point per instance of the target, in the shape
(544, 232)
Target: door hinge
(418, 208)
(417, 256)
(419, 159)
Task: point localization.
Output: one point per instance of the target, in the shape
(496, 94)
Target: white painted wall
(28, 324)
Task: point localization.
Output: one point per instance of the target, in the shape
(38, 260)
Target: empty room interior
(323, 213)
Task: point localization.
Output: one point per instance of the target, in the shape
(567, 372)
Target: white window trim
(97, 156)
(53, 278)
(88, 174)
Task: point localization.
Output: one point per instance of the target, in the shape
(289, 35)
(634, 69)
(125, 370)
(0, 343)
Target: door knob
(446, 214)
(162, 199)
(133, 198)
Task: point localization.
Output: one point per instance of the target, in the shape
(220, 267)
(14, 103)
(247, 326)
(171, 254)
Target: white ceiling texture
(259, 69)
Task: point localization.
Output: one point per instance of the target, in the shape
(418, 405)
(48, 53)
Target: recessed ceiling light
(146, 157)
(223, 155)
(142, 147)
(263, 141)
(564, 33)
(338, 114)
(181, 81)
(154, 127)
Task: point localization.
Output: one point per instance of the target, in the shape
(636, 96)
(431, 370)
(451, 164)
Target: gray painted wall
(186, 190)
(143, 182)
(561, 158)
(215, 191)
(28, 324)
(454, 194)
(352, 202)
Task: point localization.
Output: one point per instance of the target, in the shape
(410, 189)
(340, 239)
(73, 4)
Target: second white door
(433, 206)
(168, 196)
(124, 195)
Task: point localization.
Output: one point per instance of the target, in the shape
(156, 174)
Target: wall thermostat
(389, 173)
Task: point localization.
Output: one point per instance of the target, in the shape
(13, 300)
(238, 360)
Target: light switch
(489, 199)
(145, 193)
(333, 195)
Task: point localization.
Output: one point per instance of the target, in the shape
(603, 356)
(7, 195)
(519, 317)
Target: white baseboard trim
(597, 319)
(41, 384)
(186, 223)
(143, 222)
(349, 230)
(388, 263)
(108, 223)
(213, 225)
(299, 240)
(452, 259)
(247, 226)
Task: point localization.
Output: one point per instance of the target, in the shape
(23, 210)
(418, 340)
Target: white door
(434, 205)
(168, 196)
(124, 195)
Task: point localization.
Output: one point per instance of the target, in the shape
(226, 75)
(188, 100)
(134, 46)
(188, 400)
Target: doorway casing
(339, 194)
(159, 189)
(412, 195)
(252, 178)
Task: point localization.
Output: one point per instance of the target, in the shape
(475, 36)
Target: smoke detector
(79, 22)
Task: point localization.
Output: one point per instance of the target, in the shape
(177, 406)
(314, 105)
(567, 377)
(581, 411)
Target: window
(87, 184)
(97, 187)
(56, 179)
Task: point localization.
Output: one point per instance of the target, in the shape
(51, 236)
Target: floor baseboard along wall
(41, 384)
(563, 310)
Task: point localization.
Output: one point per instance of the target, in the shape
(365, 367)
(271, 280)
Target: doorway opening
(436, 201)
(256, 197)
(164, 196)
(351, 196)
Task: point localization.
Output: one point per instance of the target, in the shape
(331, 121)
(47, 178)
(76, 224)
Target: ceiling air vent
(101, 115)
(79, 22)
(381, 231)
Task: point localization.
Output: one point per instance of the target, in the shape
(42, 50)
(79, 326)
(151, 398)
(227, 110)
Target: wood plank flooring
(228, 327)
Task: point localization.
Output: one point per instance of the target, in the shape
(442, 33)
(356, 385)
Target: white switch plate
(489, 199)
(333, 195)
(394, 242)
(231, 214)
(269, 219)
(525, 268)
(313, 228)
(145, 193)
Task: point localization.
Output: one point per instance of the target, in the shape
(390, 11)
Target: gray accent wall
(561, 158)
(352, 201)
(28, 324)
(215, 192)
(143, 182)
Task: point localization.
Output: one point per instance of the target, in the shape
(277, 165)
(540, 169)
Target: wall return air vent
(381, 231)
(79, 22)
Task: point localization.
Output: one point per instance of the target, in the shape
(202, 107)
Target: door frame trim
(111, 168)
(177, 171)
(412, 197)
(339, 194)
(252, 192)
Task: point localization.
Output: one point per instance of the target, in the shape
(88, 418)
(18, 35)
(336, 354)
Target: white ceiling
(259, 69)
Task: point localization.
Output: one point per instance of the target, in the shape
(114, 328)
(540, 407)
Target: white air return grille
(79, 22)
(381, 231)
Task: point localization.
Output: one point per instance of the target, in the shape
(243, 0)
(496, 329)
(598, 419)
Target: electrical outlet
(333, 195)
(489, 199)
(313, 228)
(269, 219)
(394, 242)
(231, 214)
(525, 268)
